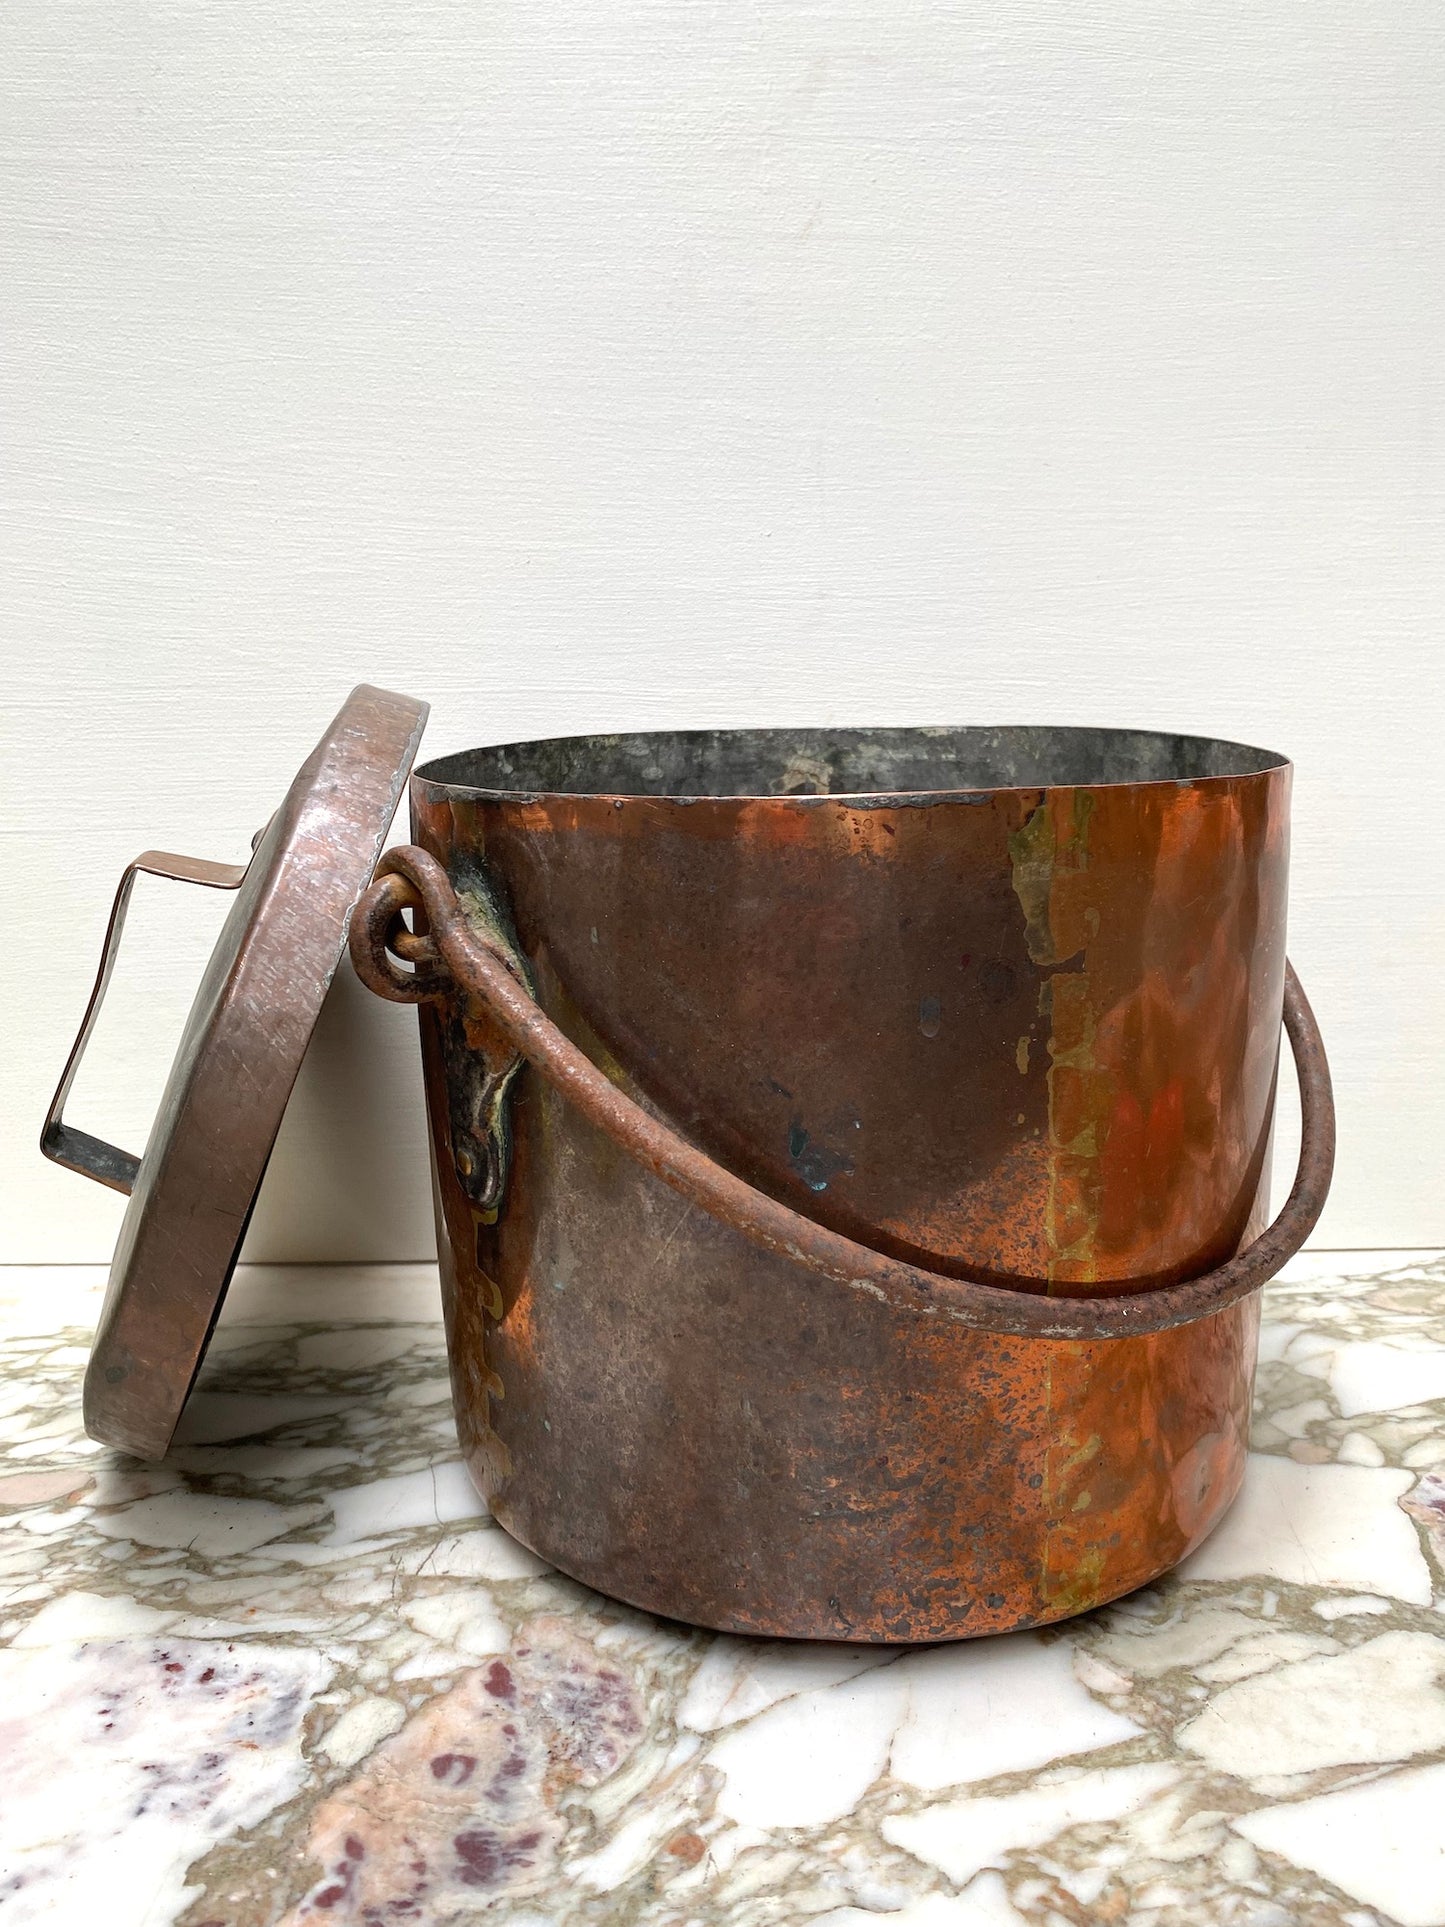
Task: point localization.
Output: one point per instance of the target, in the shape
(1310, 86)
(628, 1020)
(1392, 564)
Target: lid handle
(61, 1142)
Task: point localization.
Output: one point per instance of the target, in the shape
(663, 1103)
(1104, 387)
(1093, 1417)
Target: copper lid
(192, 1192)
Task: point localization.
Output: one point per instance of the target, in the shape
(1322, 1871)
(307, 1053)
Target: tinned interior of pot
(844, 762)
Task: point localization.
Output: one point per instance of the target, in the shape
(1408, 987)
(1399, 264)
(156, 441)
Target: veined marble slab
(296, 1675)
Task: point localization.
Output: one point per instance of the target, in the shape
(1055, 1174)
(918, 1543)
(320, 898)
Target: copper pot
(876, 1255)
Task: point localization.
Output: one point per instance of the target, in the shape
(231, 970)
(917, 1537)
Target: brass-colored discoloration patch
(1073, 1202)
(491, 1295)
(1050, 859)
(1050, 850)
(1031, 852)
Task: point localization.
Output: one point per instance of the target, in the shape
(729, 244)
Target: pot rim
(528, 770)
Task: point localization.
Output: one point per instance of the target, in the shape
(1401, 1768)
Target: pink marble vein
(461, 1804)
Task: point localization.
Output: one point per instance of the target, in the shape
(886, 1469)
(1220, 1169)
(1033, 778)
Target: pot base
(813, 1622)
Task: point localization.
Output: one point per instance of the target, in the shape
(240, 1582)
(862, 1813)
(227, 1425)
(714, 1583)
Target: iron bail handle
(62, 1143)
(451, 955)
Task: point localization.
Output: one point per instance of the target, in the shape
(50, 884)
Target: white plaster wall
(624, 364)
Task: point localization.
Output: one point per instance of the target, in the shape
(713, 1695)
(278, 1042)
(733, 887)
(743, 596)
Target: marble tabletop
(294, 1674)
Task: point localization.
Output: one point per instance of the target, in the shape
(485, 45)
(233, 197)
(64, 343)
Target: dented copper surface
(967, 1077)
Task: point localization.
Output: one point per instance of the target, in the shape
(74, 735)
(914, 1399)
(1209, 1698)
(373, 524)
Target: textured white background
(617, 365)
